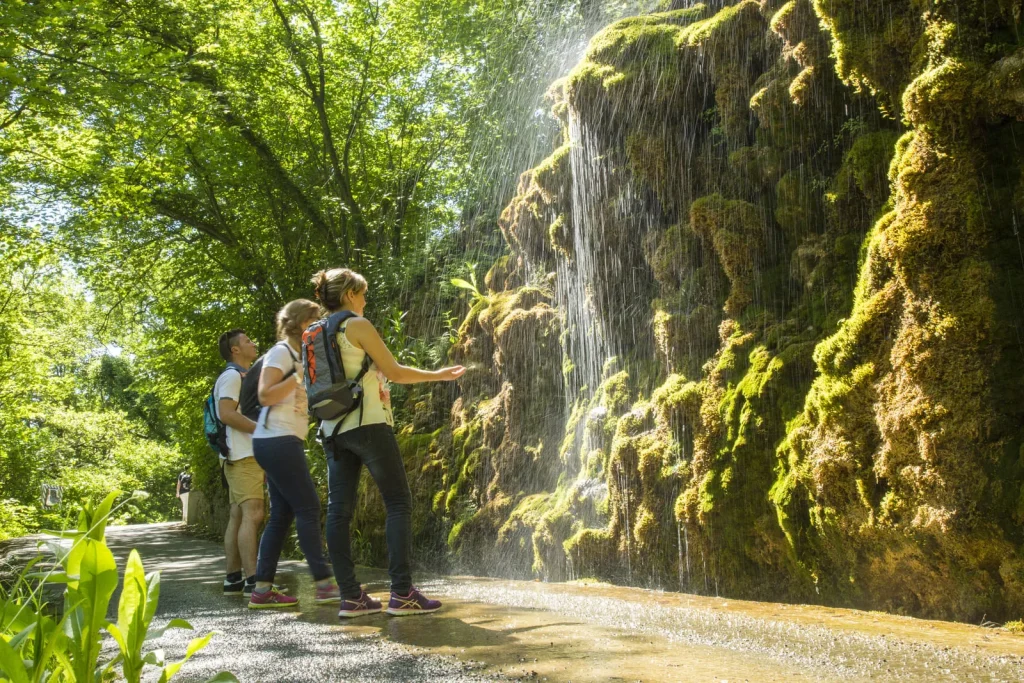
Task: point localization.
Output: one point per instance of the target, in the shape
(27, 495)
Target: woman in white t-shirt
(366, 438)
(279, 447)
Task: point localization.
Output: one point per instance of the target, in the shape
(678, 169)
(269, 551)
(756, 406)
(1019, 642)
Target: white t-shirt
(289, 417)
(229, 386)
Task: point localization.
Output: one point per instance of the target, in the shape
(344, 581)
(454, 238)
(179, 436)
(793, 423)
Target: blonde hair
(332, 285)
(291, 317)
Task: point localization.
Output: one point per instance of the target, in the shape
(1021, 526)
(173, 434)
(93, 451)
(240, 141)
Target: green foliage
(71, 414)
(35, 647)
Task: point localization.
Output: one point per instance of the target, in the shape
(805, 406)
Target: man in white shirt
(244, 476)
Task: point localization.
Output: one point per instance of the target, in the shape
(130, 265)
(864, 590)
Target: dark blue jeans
(292, 497)
(374, 446)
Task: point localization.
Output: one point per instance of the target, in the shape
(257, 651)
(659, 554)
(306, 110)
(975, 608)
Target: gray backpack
(329, 394)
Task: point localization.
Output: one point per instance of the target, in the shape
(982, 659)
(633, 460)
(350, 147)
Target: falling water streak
(704, 565)
(586, 339)
(679, 545)
(686, 539)
(629, 535)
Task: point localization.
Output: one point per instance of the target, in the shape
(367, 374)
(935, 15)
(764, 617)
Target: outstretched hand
(448, 374)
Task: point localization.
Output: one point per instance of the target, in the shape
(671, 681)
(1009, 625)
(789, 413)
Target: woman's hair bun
(330, 286)
(319, 282)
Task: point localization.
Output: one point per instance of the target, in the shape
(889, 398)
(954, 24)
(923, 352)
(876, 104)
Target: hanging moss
(865, 168)
(543, 194)
(798, 204)
(736, 229)
(876, 47)
(899, 441)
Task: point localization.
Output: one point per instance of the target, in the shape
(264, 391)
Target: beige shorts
(245, 480)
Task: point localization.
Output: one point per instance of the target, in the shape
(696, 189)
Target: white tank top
(376, 408)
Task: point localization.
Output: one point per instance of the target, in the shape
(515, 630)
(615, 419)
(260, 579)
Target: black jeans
(292, 496)
(374, 446)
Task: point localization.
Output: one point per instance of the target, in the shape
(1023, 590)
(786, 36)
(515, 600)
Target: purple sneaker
(413, 603)
(271, 599)
(364, 604)
(327, 594)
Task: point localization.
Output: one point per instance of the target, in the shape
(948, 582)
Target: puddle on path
(580, 632)
(539, 645)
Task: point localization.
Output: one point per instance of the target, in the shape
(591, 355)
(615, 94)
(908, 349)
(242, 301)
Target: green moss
(561, 237)
(875, 50)
(637, 44)
(865, 168)
(798, 205)
(893, 459)
(678, 402)
(652, 53)
(541, 196)
(497, 276)
(616, 393)
(735, 229)
(552, 174)
(593, 552)
(647, 156)
(503, 304)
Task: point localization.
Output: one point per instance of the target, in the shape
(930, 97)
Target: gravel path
(265, 645)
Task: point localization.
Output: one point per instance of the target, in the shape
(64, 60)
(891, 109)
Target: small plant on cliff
(35, 646)
(471, 286)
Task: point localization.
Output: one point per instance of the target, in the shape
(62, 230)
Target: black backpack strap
(295, 360)
(359, 379)
(331, 329)
(366, 367)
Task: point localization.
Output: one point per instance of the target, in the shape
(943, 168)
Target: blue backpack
(215, 430)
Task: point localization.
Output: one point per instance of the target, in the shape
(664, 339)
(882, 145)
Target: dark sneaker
(234, 587)
(413, 603)
(271, 599)
(327, 595)
(364, 604)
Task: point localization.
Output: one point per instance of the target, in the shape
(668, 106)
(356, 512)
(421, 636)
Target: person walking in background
(365, 436)
(182, 490)
(241, 472)
(279, 446)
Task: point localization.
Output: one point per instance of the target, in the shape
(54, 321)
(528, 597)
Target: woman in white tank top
(365, 437)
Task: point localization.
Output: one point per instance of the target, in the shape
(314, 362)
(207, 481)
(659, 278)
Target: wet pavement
(515, 630)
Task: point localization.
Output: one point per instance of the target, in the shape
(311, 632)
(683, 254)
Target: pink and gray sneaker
(413, 603)
(357, 607)
(271, 599)
(328, 594)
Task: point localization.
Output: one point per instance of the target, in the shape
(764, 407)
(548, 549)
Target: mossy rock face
(543, 195)
(736, 229)
(877, 44)
(497, 278)
(901, 449)
(808, 271)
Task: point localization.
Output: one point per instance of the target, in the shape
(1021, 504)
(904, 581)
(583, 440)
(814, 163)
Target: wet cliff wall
(758, 332)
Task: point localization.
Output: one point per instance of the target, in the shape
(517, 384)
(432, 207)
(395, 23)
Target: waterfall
(586, 339)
